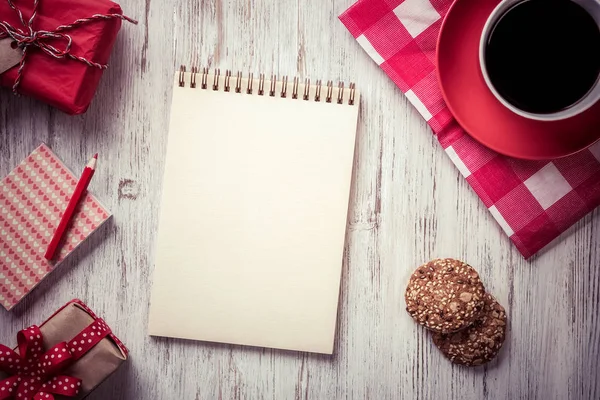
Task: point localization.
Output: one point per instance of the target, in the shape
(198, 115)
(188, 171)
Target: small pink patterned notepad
(32, 199)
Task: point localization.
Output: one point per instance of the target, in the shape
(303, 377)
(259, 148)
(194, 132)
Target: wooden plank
(409, 204)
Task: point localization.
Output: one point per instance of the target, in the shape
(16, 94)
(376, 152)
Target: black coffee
(543, 56)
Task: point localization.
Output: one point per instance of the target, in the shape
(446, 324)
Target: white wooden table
(409, 204)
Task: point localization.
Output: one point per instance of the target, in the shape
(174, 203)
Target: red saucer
(481, 114)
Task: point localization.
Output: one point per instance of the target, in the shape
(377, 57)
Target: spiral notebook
(254, 208)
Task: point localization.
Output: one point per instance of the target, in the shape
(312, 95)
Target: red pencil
(80, 189)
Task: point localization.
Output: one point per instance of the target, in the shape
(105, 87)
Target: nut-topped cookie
(445, 295)
(479, 343)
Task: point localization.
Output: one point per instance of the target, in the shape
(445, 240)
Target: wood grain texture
(409, 204)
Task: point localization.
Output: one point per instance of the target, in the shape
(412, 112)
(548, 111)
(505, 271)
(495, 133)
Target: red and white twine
(26, 37)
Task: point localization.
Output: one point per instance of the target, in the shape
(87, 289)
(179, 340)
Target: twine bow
(35, 375)
(26, 37)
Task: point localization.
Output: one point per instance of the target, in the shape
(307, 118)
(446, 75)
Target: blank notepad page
(253, 214)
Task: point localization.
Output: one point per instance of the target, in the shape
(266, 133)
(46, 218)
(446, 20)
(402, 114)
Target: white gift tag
(9, 57)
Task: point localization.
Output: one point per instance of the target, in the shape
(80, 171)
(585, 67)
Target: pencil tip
(96, 156)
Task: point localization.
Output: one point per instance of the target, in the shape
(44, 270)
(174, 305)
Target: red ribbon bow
(26, 37)
(34, 374)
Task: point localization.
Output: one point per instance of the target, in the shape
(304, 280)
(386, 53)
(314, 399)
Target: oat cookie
(479, 343)
(445, 295)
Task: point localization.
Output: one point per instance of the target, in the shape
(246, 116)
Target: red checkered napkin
(533, 201)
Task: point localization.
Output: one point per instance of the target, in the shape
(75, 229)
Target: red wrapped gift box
(64, 83)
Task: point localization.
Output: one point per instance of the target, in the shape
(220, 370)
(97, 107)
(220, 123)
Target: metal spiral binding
(352, 94)
(216, 80)
(193, 80)
(273, 86)
(250, 83)
(238, 83)
(295, 88)
(261, 85)
(329, 91)
(318, 94)
(227, 80)
(306, 89)
(340, 99)
(182, 76)
(227, 85)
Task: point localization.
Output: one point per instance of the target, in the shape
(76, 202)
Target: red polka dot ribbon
(91, 313)
(35, 374)
(88, 338)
